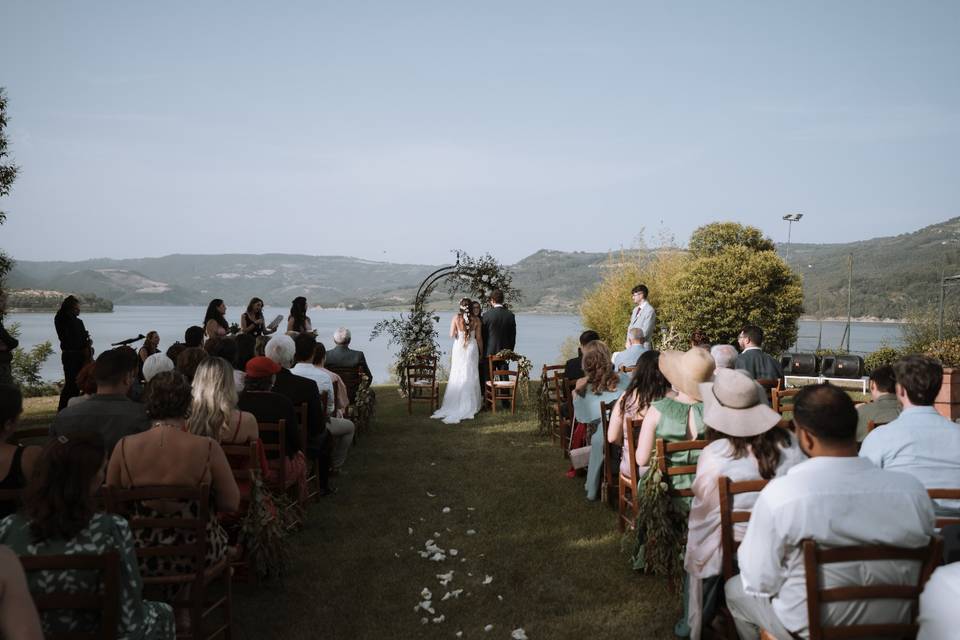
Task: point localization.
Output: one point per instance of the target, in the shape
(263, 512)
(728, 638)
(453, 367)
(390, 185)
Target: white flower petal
(488, 580)
(518, 634)
(488, 628)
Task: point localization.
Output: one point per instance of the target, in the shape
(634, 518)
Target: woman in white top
(746, 445)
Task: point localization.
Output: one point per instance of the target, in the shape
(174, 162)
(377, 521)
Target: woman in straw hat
(746, 444)
(601, 384)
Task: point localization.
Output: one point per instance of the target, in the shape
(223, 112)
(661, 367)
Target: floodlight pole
(945, 281)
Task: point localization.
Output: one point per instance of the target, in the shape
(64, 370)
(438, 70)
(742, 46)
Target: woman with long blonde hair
(214, 411)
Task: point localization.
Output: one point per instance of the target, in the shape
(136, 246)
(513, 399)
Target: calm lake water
(539, 337)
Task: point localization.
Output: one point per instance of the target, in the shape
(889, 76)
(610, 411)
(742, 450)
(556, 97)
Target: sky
(400, 131)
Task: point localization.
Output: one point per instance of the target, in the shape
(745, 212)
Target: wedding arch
(415, 333)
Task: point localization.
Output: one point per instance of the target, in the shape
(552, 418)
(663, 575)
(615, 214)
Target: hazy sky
(401, 130)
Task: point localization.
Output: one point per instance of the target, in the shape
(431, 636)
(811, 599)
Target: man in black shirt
(573, 370)
(75, 346)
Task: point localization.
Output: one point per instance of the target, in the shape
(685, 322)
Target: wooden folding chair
(553, 397)
(628, 508)
(353, 378)
(671, 470)
(780, 400)
(30, 435)
(564, 409)
(106, 602)
(814, 557)
(194, 582)
(945, 494)
(313, 464)
(244, 463)
(501, 385)
(422, 385)
(625, 369)
(611, 468)
(771, 385)
(728, 542)
(275, 451)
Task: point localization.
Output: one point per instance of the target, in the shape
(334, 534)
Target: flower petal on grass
(488, 580)
(471, 532)
(519, 634)
(488, 628)
(446, 510)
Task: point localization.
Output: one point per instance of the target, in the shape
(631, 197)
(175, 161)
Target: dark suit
(345, 357)
(499, 331)
(759, 365)
(299, 390)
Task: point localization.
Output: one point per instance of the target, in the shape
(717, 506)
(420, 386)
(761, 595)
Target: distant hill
(39, 300)
(889, 275)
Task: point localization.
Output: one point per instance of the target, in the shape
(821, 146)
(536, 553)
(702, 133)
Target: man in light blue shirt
(629, 356)
(920, 442)
(644, 316)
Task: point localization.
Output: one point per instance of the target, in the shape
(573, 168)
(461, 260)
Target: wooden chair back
(780, 400)
(563, 407)
(627, 506)
(273, 436)
(548, 378)
(625, 369)
(106, 602)
(728, 518)
(422, 385)
(29, 435)
(787, 424)
(611, 468)
(501, 385)
(664, 449)
(945, 494)
(813, 557)
(313, 464)
(770, 385)
(871, 425)
(243, 459)
(352, 378)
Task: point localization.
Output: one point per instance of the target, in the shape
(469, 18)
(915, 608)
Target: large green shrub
(716, 237)
(25, 366)
(883, 356)
(947, 351)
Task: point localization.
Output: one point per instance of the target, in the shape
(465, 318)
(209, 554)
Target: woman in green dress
(60, 518)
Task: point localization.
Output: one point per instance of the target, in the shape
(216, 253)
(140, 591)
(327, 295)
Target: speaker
(799, 364)
(845, 366)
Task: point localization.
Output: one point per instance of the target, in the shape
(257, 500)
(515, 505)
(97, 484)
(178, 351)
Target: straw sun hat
(686, 370)
(734, 404)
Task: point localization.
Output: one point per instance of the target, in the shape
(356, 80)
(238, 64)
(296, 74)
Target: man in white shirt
(644, 316)
(341, 428)
(939, 613)
(920, 442)
(837, 499)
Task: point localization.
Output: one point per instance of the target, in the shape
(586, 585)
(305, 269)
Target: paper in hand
(275, 322)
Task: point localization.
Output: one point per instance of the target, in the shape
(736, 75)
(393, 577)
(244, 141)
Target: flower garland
(524, 366)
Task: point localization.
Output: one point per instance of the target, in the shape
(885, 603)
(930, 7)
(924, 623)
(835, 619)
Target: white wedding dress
(461, 400)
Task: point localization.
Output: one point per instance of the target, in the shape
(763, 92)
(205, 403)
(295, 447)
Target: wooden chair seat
(501, 384)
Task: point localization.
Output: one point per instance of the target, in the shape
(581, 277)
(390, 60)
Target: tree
(8, 173)
(727, 287)
(711, 239)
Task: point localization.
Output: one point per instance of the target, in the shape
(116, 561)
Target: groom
(499, 329)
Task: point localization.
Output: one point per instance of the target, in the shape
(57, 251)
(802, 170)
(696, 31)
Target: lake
(539, 337)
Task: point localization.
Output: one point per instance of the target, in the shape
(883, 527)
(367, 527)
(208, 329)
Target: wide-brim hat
(685, 370)
(735, 404)
(261, 367)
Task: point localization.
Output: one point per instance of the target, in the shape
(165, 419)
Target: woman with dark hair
(745, 444)
(60, 518)
(646, 387)
(462, 398)
(214, 322)
(151, 345)
(252, 322)
(298, 320)
(600, 384)
(75, 346)
(16, 461)
(167, 454)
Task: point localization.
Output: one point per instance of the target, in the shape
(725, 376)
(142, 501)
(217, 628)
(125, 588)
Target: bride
(461, 400)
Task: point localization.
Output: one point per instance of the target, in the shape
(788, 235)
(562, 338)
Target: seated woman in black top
(16, 462)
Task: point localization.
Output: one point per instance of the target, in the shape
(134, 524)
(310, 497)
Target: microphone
(127, 341)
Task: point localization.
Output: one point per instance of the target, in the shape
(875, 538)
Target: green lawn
(555, 559)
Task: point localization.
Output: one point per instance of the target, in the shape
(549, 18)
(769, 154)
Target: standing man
(644, 316)
(75, 346)
(499, 328)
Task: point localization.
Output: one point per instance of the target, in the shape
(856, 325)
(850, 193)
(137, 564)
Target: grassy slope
(554, 558)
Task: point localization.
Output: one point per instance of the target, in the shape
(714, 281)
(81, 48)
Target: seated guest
(745, 444)
(647, 385)
(298, 321)
(226, 348)
(939, 615)
(724, 355)
(174, 350)
(213, 412)
(340, 428)
(920, 442)
(752, 359)
(18, 615)
(699, 339)
(60, 518)
(157, 363)
(151, 345)
(16, 461)
(192, 337)
(267, 406)
(628, 357)
(573, 369)
(600, 384)
(340, 389)
(214, 321)
(86, 383)
(679, 418)
(189, 360)
(166, 455)
(343, 357)
(836, 499)
(884, 406)
(246, 349)
(109, 412)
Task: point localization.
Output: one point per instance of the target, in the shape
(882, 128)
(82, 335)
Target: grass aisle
(554, 559)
